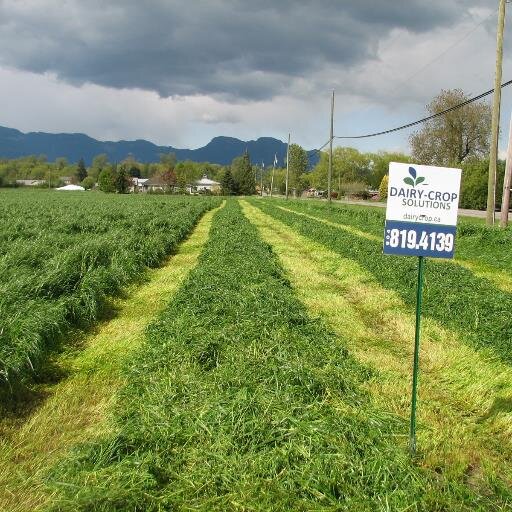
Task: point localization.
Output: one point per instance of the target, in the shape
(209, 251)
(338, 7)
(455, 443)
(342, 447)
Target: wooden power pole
(331, 136)
(507, 182)
(287, 165)
(493, 156)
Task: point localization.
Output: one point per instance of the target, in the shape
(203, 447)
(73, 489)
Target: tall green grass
(475, 242)
(62, 256)
(240, 401)
(453, 295)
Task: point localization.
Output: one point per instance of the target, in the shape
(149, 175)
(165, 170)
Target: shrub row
(238, 400)
(453, 296)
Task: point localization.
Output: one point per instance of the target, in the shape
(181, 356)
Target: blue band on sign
(415, 239)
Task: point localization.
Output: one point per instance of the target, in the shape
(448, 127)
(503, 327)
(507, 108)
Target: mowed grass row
(77, 408)
(62, 256)
(453, 296)
(477, 243)
(464, 416)
(239, 400)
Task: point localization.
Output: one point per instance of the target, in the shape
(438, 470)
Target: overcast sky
(179, 73)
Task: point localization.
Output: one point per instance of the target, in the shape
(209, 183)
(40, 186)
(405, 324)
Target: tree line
(460, 138)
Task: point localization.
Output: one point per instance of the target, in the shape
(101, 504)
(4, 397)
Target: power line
(419, 121)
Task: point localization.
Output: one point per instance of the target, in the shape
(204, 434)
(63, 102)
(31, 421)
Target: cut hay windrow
(239, 400)
(63, 256)
(478, 243)
(453, 296)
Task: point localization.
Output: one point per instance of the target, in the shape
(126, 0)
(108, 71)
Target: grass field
(62, 256)
(272, 372)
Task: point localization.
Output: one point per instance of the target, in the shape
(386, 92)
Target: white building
(139, 185)
(205, 185)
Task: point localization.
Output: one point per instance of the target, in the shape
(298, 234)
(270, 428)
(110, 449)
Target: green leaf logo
(412, 180)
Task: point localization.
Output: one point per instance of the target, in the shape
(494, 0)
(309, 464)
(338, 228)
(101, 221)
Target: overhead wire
(423, 120)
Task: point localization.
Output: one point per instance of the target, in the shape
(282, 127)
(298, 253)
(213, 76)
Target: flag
(275, 159)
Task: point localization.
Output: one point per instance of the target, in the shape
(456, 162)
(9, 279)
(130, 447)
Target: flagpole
(261, 178)
(272, 180)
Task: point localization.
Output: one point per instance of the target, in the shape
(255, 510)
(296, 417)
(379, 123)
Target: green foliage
(227, 183)
(243, 175)
(88, 183)
(459, 135)
(62, 255)
(168, 160)
(122, 180)
(298, 167)
(383, 187)
(480, 306)
(81, 171)
(107, 180)
(380, 165)
(348, 166)
(474, 184)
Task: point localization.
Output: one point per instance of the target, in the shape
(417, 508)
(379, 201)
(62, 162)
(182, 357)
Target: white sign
(421, 212)
(422, 193)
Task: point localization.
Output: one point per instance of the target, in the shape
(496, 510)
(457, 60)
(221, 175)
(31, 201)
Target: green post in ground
(419, 299)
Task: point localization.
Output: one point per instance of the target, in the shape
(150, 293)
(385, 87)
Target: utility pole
(491, 185)
(287, 165)
(329, 176)
(507, 181)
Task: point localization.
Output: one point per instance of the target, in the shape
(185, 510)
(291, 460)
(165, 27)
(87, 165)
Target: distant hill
(73, 146)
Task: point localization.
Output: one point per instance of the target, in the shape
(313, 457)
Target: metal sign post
(421, 220)
(416, 364)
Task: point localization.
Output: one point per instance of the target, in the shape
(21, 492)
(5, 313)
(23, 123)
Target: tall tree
(453, 137)
(379, 165)
(227, 183)
(122, 180)
(348, 166)
(299, 164)
(107, 180)
(168, 159)
(243, 175)
(169, 177)
(81, 171)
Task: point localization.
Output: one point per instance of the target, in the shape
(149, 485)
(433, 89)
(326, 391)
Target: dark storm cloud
(243, 50)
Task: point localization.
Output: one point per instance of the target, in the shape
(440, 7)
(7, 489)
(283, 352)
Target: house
(139, 185)
(156, 184)
(30, 183)
(205, 186)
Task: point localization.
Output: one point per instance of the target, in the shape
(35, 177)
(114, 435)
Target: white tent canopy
(71, 187)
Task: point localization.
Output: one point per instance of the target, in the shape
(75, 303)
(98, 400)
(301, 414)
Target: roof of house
(71, 187)
(206, 181)
(156, 181)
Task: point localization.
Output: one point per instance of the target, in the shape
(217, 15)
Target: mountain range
(73, 146)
